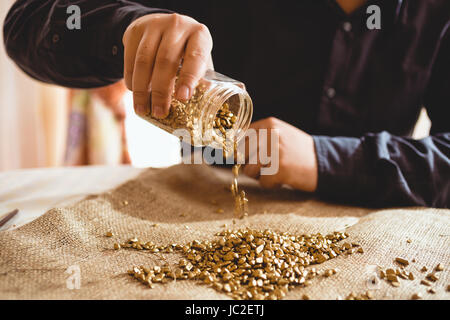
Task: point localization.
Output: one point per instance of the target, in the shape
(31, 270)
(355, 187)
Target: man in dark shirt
(351, 95)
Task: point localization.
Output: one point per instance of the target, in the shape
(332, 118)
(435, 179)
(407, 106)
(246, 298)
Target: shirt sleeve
(37, 38)
(381, 169)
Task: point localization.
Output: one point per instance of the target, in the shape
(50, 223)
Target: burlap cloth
(34, 258)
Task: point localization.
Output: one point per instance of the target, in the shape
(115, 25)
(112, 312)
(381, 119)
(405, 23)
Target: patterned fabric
(96, 132)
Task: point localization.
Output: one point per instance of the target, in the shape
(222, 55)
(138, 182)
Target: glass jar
(220, 109)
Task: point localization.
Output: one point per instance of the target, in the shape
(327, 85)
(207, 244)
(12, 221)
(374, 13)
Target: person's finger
(252, 170)
(269, 181)
(126, 159)
(252, 149)
(195, 61)
(210, 63)
(253, 166)
(118, 110)
(260, 124)
(249, 145)
(264, 128)
(167, 62)
(130, 47)
(142, 74)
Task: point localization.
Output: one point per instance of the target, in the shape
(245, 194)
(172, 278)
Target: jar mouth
(239, 103)
(244, 114)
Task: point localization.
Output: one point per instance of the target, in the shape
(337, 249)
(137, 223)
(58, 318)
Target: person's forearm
(37, 39)
(382, 169)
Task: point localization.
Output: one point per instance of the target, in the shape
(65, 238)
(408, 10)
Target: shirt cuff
(342, 174)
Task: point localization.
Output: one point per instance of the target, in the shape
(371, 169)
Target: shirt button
(55, 38)
(347, 26)
(331, 93)
(114, 50)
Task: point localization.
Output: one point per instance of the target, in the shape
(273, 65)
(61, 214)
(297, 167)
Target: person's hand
(154, 46)
(297, 157)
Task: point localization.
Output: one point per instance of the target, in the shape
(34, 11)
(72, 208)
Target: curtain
(96, 129)
(32, 116)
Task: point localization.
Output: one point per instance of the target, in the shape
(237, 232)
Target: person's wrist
(306, 176)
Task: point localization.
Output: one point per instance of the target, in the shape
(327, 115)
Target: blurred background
(47, 126)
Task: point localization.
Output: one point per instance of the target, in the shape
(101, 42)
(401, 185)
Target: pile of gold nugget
(246, 264)
(186, 115)
(393, 276)
(224, 120)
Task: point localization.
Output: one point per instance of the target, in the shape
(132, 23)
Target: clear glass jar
(215, 96)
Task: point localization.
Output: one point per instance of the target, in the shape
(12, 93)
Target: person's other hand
(112, 97)
(297, 157)
(154, 46)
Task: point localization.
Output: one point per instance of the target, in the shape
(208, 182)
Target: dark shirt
(357, 91)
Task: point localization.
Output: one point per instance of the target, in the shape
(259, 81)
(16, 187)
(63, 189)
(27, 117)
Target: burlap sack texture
(34, 258)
